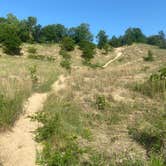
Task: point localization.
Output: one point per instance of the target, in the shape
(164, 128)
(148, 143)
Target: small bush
(33, 74)
(88, 49)
(66, 64)
(32, 50)
(89, 64)
(67, 44)
(64, 54)
(149, 57)
(41, 57)
(100, 102)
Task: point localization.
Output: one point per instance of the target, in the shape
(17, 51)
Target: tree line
(13, 32)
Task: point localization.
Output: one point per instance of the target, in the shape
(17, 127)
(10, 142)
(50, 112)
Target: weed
(33, 74)
(32, 50)
(149, 57)
(100, 102)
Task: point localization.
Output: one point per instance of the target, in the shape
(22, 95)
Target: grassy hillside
(110, 116)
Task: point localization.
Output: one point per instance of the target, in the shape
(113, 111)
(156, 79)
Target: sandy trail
(17, 147)
(119, 53)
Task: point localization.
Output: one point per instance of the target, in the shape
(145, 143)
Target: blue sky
(114, 16)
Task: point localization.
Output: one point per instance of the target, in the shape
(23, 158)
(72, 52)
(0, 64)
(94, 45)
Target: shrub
(10, 39)
(89, 64)
(67, 44)
(154, 86)
(32, 50)
(149, 57)
(61, 123)
(100, 102)
(33, 74)
(88, 49)
(41, 57)
(12, 45)
(64, 54)
(150, 132)
(66, 64)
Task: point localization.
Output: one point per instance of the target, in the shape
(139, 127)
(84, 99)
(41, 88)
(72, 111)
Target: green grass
(16, 84)
(62, 125)
(11, 108)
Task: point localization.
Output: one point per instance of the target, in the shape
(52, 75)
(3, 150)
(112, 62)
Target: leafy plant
(66, 64)
(33, 74)
(100, 102)
(67, 44)
(88, 49)
(149, 57)
(32, 50)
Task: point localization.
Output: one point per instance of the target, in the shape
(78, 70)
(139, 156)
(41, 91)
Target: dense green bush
(32, 50)
(88, 50)
(67, 44)
(64, 54)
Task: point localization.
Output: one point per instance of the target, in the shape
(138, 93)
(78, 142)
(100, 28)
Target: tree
(53, 33)
(162, 39)
(134, 35)
(116, 42)
(10, 39)
(81, 33)
(102, 39)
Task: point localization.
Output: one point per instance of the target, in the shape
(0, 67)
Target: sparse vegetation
(41, 57)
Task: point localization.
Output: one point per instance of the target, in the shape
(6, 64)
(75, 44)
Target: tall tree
(53, 33)
(81, 33)
(102, 39)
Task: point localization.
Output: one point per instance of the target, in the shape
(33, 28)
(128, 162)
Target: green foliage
(11, 108)
(66, 64)
(100, 102)
(32, 50)
(134, 35)
(61, 124)
(149, 57)
(53, 33)
(81, 33)
(64, 54)
(33, 74)
(150, 132)
(89, 64)
(88, 50)
(67, 44)
(10, 40)
(102, 39)
(154, 86)
(41, 57)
